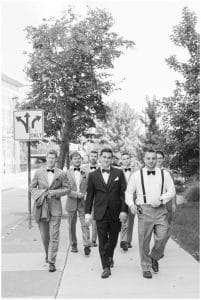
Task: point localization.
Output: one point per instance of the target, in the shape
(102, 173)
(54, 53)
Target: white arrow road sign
(28, 125)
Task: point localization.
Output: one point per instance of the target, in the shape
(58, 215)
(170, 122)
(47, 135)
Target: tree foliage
(119, 130)
(68, 70)
(181, 111)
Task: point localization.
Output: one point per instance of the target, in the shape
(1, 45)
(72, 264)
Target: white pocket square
(116, 179)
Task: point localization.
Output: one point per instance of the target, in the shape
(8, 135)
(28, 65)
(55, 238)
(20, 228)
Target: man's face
(150, 160)
(51, 161)
(105, 160)
(76, 161)
(93, 157)
(126, 160)
(160, 160)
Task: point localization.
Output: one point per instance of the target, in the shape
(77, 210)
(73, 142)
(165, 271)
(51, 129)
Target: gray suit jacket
(60, 185)
(73, 202)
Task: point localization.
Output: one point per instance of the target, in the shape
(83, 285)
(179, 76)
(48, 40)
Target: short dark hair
(52, 151)
(149, 150)
(108, 150)
(74, 154)
(93, 151)
(125, 153)
(161, 153)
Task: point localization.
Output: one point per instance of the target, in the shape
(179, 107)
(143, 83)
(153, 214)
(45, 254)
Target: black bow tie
(77, 169)
(127, 170)
(105, 171)
(50, 170)
(151, 172)
(92, 168)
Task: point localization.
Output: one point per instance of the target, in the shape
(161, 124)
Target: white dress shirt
(105, 175)
(77, 179)
(152, 184)
(50, 177)
(127, 175)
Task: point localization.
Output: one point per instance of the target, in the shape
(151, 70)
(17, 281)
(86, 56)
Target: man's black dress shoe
(111, 261)
(74, 249)
(147, 274)
(94, 244)
(52, 268)
(129, 245)
(155, 265)
(106, 273)
(124, 246)
(87, 250)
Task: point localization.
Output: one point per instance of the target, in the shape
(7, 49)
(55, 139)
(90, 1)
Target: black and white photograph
(100, 148)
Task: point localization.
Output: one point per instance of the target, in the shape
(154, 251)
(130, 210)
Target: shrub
(192, 192)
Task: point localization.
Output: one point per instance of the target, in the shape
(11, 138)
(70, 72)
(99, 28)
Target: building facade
(10, 93)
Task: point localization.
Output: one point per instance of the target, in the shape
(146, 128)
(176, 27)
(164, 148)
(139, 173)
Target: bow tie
(127, 170)
(92, 168)
(105, 171)
(151, 172)
(77, 169)
(50, 170)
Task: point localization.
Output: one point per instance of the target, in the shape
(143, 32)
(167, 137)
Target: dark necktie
(92, 168)
(127, 169)
(77, 169)
(151, 172)
(105, 171)
(50, 170)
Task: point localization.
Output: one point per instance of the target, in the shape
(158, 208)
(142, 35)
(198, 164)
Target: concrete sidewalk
(24, 271)
(178, 276)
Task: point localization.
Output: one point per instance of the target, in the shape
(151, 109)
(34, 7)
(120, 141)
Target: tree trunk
(64, 149)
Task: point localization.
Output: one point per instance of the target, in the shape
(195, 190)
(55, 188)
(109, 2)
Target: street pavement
(25, 274)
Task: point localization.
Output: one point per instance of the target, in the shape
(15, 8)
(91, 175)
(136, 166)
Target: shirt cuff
(87, 216)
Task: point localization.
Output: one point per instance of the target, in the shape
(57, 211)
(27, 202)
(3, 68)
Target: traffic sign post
(28, 126)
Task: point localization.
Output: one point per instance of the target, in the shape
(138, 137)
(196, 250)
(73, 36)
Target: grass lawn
(185, 227)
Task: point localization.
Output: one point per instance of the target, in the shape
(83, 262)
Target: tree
(153, 137)
(67, 69)
(181, 111)
(119, 130)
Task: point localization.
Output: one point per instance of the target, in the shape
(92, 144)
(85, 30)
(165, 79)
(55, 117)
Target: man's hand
(88, 219)
(51, 193)
(156, 203)
(80, 195)
(123, 217)
(133, 209)
(174, 207)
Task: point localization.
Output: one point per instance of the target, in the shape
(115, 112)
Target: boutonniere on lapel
(83, 174)
(116, 179)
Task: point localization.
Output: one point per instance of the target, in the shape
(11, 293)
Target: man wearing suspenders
(154, 188)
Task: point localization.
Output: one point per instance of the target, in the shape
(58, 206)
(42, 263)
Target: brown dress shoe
(52, 267)
(106, 273)
(87, 250)
(124, 246)
(147, 274)
(74, 249)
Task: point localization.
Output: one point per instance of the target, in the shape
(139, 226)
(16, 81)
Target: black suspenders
(142, 182)
(143, 189)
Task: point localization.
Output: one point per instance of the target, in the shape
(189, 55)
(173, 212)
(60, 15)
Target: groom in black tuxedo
(106, 188)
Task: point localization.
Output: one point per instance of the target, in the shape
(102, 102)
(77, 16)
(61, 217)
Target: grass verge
(185, 227)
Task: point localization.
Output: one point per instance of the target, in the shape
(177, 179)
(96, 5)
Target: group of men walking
(107, 197)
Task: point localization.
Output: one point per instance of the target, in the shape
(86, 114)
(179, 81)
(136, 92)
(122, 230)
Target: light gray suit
(94, 234)
(50, 230)
(75, 205)
(127, 227)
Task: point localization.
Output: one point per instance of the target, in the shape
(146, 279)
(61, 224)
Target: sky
(139, 72)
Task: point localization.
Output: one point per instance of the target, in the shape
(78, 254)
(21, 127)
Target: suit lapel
(45, 176)
(111, 177)
(56, 174)
(100, 177)
(73, 175)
